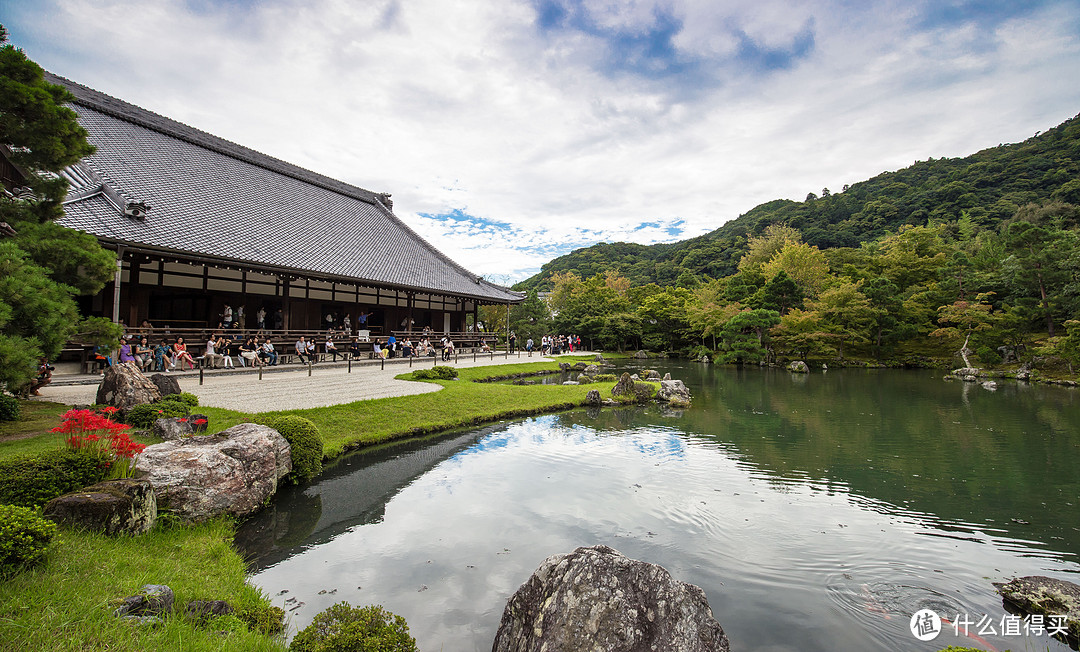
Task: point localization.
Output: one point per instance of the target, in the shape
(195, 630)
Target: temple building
(199, 223)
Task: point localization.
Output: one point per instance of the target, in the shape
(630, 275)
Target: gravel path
(291, 389)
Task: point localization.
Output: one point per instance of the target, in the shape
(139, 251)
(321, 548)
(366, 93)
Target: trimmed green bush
(305, 443)
(33, 480)
(144, 416)
(438, 372)
(584, 379)
(186, 398)
(261, 617)
(343, 628)
(24, 538)
(9, 408)
(604, 378)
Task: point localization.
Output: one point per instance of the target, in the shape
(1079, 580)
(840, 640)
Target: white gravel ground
(291, 389)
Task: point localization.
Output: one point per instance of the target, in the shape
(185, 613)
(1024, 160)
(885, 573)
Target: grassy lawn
(64, 603)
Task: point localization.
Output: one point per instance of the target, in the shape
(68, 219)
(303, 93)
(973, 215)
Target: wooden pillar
(285, 307)
(409, 297)
(116, 284)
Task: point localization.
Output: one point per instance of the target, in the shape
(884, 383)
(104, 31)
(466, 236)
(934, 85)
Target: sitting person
(212, 358)
(126, 352)
(391, 346)
(181, 355)
(354, 348)
(222, 348)
(331, 348)
(301, 347)
(269, 353)
(484, 346)
(406, 348)
(144, 356)
(249, 351)
(311, 351)
(44, 376)
(161, 354)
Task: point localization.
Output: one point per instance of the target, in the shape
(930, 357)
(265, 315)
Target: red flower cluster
(122, 446)
(83, 426)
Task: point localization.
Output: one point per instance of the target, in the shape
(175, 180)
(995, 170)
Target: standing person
(212, 357)
(241, 318)
(301, 349)
(529, 345)
(260, 318)
(347, 325)
(181, 355)
(512, 341)
(279, 319)
(226, 316)
(44, 376)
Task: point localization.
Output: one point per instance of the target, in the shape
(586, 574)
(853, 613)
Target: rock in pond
(592, 397)
(1037, 594)
(124, 506)
(641, 355)
(799, 367)
(597, 600)
(124, 386)
(674, 392)
(232, 472)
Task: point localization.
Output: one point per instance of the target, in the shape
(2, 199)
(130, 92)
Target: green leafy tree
(846, 313)
(530, 318)
(745, 335)
(43, 265)
(961, 319)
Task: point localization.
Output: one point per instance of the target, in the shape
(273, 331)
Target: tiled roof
(216, 199)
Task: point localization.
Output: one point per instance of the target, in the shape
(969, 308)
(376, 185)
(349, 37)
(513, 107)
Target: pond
(818, 512)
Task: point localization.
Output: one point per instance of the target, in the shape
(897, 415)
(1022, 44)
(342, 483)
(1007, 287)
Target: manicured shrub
(9, 408)
(33, 480)
(24, 538)
(305, 442)
(584, 379)
(604, 378)
(262, 617)
(343, 628)
(186, 398)
(438, 372)
(144, 416)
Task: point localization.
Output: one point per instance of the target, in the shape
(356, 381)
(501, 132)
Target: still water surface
(817, 512)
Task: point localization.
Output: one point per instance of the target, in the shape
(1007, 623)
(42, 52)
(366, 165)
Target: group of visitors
(556, 344)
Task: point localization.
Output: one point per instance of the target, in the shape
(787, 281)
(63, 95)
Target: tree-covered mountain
(976, 192)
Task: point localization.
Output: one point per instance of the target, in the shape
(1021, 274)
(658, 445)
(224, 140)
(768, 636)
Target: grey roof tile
(215, 198)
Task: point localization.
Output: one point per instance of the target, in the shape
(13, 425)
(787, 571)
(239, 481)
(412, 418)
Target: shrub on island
(344, 627)
(438, 372)
(33, 480)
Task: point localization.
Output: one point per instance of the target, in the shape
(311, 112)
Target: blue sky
(512, 131)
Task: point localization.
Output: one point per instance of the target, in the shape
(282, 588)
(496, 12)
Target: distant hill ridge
(984, 188)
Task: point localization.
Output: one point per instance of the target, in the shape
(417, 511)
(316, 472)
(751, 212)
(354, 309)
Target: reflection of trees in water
(282, 526)
(352, 490)
(907, 438)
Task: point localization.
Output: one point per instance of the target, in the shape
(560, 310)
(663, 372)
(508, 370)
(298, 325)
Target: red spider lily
(182, 420)
(110, 409)
(200, 422)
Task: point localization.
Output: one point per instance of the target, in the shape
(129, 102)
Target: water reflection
(817, 513)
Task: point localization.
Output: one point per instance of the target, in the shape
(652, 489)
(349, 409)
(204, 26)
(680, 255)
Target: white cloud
(470, 106)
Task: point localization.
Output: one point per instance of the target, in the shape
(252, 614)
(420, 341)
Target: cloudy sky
(512, 131)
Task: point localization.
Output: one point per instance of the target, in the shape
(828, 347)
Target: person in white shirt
(211, 356)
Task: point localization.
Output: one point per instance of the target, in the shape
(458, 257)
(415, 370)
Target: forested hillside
(980, 191)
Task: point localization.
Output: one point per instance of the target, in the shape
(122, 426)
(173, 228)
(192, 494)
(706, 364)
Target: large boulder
(166, 384)
(591, 370)
(124, 506)
(625, 386)
(641, 355)
(674, 392)
(597, 600)
(592, 397)
(232, 472)
(124, 386)
(799, 367)
(1036, 594)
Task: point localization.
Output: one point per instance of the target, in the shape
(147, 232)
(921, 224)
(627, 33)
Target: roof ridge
(134, 114)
